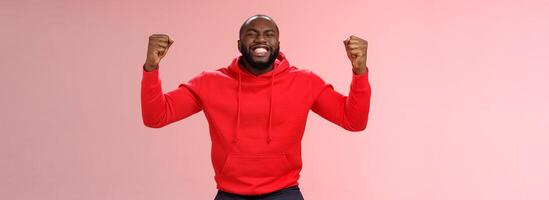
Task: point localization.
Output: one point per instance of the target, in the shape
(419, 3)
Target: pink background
(459, 105)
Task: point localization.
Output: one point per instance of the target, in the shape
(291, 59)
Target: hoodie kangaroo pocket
(243, 166)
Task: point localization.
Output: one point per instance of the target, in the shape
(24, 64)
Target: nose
(260, 38)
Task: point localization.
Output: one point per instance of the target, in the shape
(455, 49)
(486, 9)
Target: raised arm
(351, 111)
(159, 109)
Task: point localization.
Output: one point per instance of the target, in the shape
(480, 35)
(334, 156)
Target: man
(256, 109)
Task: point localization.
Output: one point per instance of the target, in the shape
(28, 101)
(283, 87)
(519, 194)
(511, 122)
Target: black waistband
(295, 187)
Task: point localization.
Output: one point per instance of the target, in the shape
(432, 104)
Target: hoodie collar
(280, 65)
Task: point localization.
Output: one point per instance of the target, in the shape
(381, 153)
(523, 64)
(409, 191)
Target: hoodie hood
(280, 65)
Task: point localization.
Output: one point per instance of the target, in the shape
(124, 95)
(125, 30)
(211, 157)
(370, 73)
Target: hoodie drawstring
(235, 139)
(270, 110)
(269, 139)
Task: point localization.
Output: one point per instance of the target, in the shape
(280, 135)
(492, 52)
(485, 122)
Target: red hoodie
(256, 122)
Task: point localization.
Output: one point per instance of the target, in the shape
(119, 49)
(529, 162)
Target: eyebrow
(257, 31)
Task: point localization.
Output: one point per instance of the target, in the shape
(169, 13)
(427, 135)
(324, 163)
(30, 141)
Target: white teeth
(260, 50)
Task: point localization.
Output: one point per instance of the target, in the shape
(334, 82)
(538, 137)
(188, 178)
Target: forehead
(260, 23)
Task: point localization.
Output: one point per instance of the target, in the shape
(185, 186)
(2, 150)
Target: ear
(238, 45)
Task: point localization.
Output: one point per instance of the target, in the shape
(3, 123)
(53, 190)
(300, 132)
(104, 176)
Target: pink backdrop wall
(459, 104)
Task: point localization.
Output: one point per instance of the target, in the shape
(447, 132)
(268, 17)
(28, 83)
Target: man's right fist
(158, 47)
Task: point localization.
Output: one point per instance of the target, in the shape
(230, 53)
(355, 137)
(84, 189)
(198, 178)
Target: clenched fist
(356, 51)
(158, 47)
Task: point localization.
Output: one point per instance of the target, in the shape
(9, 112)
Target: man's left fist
(356, 51)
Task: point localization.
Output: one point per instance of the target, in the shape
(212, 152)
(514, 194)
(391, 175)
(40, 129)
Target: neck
(255, 71)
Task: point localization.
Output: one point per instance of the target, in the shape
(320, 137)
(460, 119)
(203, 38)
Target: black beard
(258, 65)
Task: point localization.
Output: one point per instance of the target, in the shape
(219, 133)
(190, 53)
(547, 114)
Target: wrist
(150, 67)
(360, 70)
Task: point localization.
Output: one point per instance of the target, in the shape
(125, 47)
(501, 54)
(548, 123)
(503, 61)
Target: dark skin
(262, 30)
(258, 31)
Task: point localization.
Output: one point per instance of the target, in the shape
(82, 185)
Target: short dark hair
(255, 17)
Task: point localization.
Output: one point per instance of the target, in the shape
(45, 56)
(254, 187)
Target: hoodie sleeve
(159, 109)
(349, 112)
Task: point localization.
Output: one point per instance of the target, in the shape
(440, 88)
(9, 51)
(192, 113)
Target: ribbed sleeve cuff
(150, 77)
(360, 81)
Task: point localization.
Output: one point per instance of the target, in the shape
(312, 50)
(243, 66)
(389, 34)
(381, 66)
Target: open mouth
(260, 50)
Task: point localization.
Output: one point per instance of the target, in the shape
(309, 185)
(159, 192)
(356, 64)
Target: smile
(260, 51)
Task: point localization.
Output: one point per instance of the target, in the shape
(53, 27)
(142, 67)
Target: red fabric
(256, 122)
